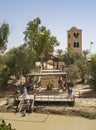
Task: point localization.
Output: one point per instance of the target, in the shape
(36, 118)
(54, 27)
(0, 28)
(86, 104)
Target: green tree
(60, 54)
(17, 62)
(72, 74)
(39, 39)
(4, 33)
(70, 57)
(4, 72)
(83, 67)
(21, 61)
(92, 80)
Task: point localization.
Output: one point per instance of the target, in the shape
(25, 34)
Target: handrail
(54, 98)
(21, 102)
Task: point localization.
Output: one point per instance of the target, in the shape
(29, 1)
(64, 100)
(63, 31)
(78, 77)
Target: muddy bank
(83, 107)
(59, 110)
(68, 111)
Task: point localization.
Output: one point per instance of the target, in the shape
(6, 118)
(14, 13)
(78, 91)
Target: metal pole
(91, 46)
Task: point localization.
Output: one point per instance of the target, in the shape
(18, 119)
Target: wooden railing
(54, 98)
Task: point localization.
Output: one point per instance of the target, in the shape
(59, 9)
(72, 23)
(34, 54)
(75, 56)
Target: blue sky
(57, 15)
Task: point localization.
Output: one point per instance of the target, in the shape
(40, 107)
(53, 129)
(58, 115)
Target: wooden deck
(51, 99)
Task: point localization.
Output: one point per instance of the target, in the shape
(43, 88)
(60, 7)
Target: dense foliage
(4, 33)
(92, 80)
(77, 67)
(21, 60)
(39, 39)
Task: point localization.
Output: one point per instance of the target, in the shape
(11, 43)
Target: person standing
(39, 86)
(25, 93)
(69, 91)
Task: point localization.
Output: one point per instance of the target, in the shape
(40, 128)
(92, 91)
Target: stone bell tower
(74, 40)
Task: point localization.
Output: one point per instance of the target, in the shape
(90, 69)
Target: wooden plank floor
(49, 98)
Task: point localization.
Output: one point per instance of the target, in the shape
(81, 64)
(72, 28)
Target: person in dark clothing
(69, 91)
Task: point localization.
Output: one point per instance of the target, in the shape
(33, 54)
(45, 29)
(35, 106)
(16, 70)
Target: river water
(36, 121)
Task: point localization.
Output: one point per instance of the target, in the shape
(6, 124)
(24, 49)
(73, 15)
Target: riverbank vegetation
(4, 126)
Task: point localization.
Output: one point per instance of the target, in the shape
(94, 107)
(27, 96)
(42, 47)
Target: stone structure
(74, 40)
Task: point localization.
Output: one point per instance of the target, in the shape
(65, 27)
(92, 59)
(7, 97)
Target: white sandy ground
(36, 121)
